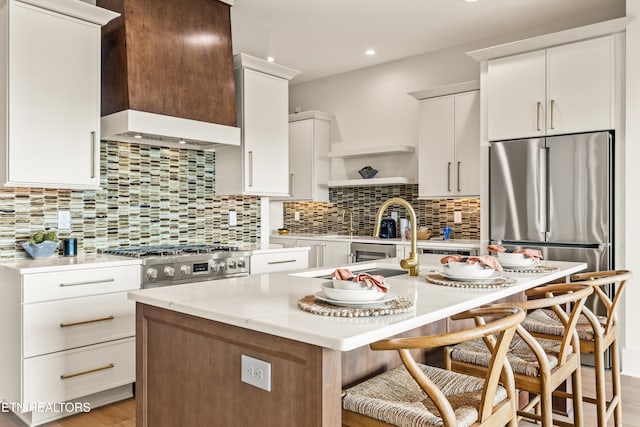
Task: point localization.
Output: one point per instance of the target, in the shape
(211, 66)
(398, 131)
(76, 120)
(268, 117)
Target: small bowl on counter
(41, 250)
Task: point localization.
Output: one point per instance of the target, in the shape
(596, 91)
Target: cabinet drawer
(71, 374)
(280, 261)
(78, 283)
(64, 324)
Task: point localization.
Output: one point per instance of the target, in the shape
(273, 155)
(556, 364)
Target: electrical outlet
(256, 372)
(64, 220)
(233, 218)
(457, 217)
(296, 216)
(394, 216)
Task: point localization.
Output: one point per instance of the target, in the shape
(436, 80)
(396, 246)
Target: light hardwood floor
(122, 414)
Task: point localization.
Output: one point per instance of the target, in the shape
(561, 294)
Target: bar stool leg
(615, 380)
(601, 395)
(576, 390)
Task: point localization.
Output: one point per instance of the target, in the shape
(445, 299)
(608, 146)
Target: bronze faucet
(350, 212)
(410, 263)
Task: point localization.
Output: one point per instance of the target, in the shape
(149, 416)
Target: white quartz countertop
(61, 263)
(268, 302)
(436, 243)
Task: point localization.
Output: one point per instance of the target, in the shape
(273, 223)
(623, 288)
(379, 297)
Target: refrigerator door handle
(543, 212)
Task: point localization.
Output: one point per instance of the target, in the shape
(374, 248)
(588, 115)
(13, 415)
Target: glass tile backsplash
(322, 217)
(149, 195)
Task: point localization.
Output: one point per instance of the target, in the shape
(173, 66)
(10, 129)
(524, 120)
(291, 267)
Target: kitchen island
(191, 339)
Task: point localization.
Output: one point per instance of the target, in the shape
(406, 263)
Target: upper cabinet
(260, 166)
(559, 90)
(449, 146)
(308, 160)
(50, 84)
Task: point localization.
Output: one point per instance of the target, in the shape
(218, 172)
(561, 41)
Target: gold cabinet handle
(250, 168)
(84, 322)
(539, 104)
(553, 104)
(458, 176)
(449, 176)
(92, 282)
(90, 371)
(93, 154)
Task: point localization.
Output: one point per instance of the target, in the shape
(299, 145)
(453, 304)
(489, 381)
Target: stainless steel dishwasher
(372, 251)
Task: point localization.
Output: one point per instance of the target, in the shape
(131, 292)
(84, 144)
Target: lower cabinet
(66, 375)
(326, 253)
(272, 262)
(69, 334)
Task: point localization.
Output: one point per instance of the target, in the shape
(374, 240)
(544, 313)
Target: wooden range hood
(167, 73)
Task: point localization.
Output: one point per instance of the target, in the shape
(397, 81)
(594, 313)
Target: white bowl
(348, 285)
(473, 271)
(521, 262)
(508, 256)
(463, 266)
(360, 295)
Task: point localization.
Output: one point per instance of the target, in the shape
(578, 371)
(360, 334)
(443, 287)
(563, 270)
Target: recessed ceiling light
(470, 1)
(270, 59)
(137, 136)
(369, 52)
(182, 141)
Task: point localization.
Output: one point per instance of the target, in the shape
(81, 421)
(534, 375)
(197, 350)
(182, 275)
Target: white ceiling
(327, 37)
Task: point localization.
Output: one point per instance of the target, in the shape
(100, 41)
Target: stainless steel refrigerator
(555, 194)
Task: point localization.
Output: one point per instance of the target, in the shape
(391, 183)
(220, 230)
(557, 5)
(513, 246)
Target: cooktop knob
(185, 269)
(240, 263)
(222, 266)
(152, 273)
(169, 271)
(232, 264)
(213, 266)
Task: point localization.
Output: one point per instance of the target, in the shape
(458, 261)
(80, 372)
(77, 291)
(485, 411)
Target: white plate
(526, 262)
(386, 298)
(470, 278)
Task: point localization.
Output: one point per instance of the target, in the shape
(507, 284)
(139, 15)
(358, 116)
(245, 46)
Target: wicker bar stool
(540, 366)
(597, 334)
(397, 397)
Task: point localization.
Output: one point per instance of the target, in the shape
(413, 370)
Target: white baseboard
(631, 362)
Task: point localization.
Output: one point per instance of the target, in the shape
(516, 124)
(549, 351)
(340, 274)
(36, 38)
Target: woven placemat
(312, 305)
(497, 282)
(535, 269)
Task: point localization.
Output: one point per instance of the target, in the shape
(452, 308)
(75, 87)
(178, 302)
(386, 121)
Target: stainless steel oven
(372, 251)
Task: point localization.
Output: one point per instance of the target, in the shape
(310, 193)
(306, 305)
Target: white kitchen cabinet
(308, 155)
(72, 336)
(260, 166)
(50, 94)
(449, 146)
(564, 89)
(326, 253)
(274, 261)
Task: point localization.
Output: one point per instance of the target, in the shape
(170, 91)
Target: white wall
(631, 314)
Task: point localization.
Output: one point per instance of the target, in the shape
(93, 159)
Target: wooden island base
(188, 373)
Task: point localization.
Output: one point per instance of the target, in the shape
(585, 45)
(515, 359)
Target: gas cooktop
(164, 265)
